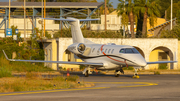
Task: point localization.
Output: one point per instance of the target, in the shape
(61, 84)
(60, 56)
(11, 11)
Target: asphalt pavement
(109, 88)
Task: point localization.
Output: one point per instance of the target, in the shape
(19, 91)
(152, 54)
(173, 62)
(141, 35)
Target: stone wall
(145, 45)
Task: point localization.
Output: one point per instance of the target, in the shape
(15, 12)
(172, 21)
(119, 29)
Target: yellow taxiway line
(140, 84)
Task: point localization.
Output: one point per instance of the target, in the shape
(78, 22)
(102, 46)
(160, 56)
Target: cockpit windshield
(128, 50)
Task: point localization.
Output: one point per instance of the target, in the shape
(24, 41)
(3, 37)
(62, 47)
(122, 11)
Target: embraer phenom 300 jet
(100, 56)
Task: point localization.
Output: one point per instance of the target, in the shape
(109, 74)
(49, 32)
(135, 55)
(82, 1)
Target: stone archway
(161, 53)
(140, 51)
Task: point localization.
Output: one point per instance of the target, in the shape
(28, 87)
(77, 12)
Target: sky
(114, 2)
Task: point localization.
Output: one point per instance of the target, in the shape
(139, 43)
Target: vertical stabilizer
(76, 31)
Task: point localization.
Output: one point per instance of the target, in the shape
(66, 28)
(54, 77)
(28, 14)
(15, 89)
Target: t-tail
(76, 32)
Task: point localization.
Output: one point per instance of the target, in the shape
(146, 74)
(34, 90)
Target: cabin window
(98, 51)
(122, 51)
(112, 51)
(105, 51)
(109, 50)
(102, 49)
(93, 50)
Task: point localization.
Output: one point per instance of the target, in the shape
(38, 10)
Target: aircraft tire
(116, 75)
(86, 74)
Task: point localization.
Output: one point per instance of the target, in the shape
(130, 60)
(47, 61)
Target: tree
(109, 7)
(58, 0)
(176, 7)
(129, 11)
(149, 8)
(164, 5)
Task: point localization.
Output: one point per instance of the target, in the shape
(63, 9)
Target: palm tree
(109, 7)
(128, 11)
(148, 8)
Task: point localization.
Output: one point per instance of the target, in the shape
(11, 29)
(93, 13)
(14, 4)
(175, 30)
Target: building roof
(167, 22)
(52, 4)
(113, 13)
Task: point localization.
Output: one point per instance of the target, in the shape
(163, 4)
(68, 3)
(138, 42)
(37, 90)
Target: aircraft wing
(159, 62)
(60, 62)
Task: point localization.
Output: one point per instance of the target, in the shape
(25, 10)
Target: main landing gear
(117, 72)
(87, 71)
(135, 74)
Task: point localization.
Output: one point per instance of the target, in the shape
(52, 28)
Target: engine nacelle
(77, 48)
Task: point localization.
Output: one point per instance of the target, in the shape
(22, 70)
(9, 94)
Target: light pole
(42, 19)
(44, 16)
(105, 15)
(124, 25)
(24, 20)
(171, 12)
(9, 12)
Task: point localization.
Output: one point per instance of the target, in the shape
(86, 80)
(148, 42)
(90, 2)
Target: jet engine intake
(77, 48)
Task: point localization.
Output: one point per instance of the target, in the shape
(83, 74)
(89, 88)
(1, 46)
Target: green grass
(5, 72)
(156, 73)
(35, 82)
(22, 66)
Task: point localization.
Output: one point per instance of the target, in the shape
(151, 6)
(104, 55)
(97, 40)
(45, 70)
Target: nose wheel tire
(116, 75)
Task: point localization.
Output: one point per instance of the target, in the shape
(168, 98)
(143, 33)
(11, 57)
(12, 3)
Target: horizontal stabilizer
(59, 19)
(159, 62)
(70, 19)
(60, 62)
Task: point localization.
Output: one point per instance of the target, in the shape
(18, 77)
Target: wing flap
(60, 62)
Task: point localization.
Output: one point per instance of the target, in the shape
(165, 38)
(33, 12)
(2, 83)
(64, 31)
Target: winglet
(5, 55)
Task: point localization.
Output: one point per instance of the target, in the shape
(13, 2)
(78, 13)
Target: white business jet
(99, 56)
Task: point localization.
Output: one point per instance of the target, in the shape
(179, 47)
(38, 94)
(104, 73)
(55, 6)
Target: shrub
(156, 73)
(163, 66)
(129, 68)
(81, 67)
(5, 72)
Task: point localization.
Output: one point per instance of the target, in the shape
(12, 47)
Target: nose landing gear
(136, 74)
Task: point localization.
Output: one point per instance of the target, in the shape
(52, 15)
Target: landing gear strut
(135, 74)
(86, 74)
(87, 71)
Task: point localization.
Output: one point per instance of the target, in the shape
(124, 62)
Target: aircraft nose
(143, 63)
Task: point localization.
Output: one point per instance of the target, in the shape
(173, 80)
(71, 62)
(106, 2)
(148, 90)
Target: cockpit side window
(135, 50)
(122, 51)
(128, 50)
